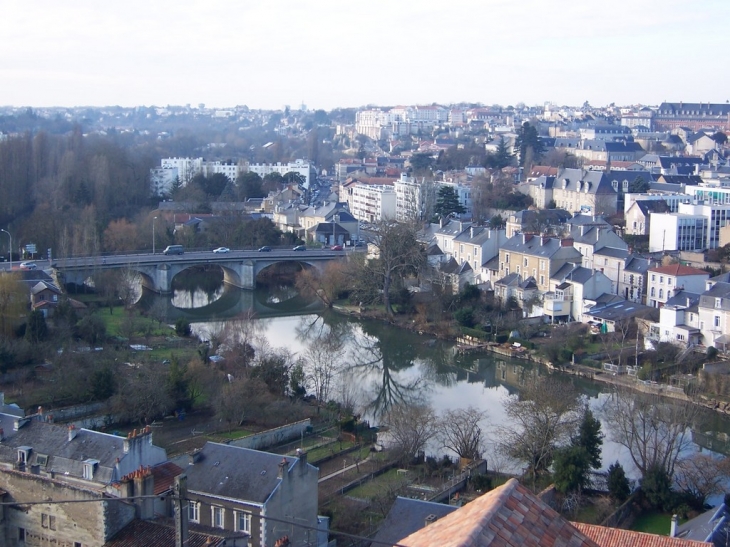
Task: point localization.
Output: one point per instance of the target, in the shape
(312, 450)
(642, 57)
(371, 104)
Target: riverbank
(513, 352)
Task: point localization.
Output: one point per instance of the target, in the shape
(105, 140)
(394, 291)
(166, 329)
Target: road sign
(30, 248)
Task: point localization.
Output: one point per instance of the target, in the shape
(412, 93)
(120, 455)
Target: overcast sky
(338, 53)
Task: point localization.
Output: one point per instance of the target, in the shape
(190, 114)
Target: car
(265, 249)
(28, 266)
(336, 247)
(360, 244)
(222, 250)
(300, 248)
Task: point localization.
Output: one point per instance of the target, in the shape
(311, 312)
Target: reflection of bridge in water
(232, 303)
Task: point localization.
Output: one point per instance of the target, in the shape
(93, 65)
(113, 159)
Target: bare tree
(398, 254)
(654, 431)
(324, 361)
(410, 427)
(544, 416)
(460, 431)
(326, 285)
(702, 475)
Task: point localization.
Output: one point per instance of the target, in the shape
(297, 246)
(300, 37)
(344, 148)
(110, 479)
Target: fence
(272, 437)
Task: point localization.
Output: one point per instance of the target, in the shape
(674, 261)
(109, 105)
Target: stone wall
(272, 437)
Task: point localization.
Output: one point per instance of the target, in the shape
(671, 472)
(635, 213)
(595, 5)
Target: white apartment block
(372, 203)
(677, 232)
(717, 217)
(410, 198)
(463, 192)
(302, 167)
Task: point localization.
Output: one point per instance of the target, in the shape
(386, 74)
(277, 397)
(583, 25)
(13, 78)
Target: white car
(222, 250)
(28, 266)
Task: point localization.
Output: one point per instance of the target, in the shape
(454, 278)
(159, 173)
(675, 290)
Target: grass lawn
(653, 522)
(378, 485)
(328, 450)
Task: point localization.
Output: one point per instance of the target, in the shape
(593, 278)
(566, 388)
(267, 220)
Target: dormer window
(89, 468)
(24, 454)
(41, 459)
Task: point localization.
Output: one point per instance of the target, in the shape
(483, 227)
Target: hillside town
(589, 241)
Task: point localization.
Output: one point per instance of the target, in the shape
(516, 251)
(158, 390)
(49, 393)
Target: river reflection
(381, 365)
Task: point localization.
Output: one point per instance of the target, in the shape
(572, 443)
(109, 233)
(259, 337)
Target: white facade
(302, 167)
(672, 200)
(372, 203)
(677, 232)
(717, 216)
(664, 281)
(410, 196)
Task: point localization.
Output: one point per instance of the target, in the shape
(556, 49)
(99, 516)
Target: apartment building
(665, 281)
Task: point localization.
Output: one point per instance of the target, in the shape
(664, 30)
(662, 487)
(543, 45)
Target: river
(379, 365)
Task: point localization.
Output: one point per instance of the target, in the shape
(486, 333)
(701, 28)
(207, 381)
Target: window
(652, 291)
(542, 280)
(718, 302)
(717, 320)
(661, 279)
(669, 280)
(89, 467)
(506, 259)
(653, 277)
(21, 534)
(194, 511)
(217, 517)
(243, 522)
(525, 261)
(542, 265)
(661, 293)
(605, 262)
(41, 459)
(518, 270)
(48, 521)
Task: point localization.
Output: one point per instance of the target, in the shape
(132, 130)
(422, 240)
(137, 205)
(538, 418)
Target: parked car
(336, 247)
(28, 266)
(265, 249)
(222, 250)
(300, 248)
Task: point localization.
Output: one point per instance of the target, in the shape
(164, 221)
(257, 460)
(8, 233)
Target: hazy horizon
(328, 54)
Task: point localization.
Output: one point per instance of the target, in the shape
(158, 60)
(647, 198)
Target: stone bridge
(157, 271)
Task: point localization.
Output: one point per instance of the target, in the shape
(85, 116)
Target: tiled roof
(678, 269)
(507, 516)
(615, 537)
(155, 534)
(164, 475)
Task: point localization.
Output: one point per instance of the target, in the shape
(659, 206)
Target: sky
(335, 53)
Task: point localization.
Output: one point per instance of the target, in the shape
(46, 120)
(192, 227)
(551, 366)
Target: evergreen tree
(618, 484)
(528, 140)
(570, 469)
(502, 157)
(590, 438)
(36, 329)
(448, 202)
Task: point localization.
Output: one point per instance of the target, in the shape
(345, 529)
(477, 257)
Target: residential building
(371, 203)
(412, 197)
(446, 234)
(590, 192)
(523, 290)
(476, 246)
(541, 221)
(665, 281)
(714, 314)
(633, 280)
(678, 321)
(303, 168)
(718, 216)
(574, 289)
(638, 216)
(232, 488)
(539, 257)
(694, 116)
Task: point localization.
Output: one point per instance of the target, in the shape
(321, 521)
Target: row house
(607, 151)
(537, 221)
(574, 290)
(539, 257)
(714, 313)
(678, 321)
(633, 280)
(665, 281)
(574, 190)
(477, 246)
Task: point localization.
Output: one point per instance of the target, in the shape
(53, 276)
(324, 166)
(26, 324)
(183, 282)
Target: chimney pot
(673, 527)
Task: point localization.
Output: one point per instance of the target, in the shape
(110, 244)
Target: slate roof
(575, 179)
(507, 516)
(407, 516)
(612, 252)
(236, 473)
(615, 537)
(159, 533)
(44, 285)
(534, 246)
(637, 264)
(481, 235)
(648, 206)
(623, 310)
(711, 526)
(574, 274)
(67, 457)
(492, 263)
(587, 220)
(680, 299)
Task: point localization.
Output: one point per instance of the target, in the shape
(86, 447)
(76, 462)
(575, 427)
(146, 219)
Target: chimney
(72, 432)
(567, 242)
(282, 468)
(582, 229)
(144, 485)
(673, 527)
(441, 222)
(471, 232)
(194, 457)
(526, 237)
(430, 519)
(302, 455)
(179, 500)
(544, 240)
(135, 439)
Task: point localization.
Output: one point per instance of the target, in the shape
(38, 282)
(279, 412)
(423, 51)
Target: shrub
(182, 327)
(465, 317)
(618, 484)
(481, 482)
(502, 338)
(657, 488)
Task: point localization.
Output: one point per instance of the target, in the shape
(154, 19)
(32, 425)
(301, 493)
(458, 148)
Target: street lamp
(153, 234)
(10, 249)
